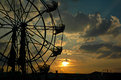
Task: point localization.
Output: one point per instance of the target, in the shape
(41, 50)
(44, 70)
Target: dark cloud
(97, 25)
(101, 29)
(75, 23)
(104, 54)
(78, 22)
(110, 51)
(91, 48)
(94, 47)
(115, 31)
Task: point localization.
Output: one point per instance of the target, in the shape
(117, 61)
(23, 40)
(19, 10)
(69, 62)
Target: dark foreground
(60, 76)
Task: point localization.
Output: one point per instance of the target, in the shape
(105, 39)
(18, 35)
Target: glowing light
(64, 63)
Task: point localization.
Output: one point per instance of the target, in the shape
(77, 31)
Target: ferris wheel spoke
(40, 43)
(37, 43)
(13, 10)
(26, 5)
(5, 26)
(3, 56)
(32, 34)
(36, 16)
(43, 55)
(53, 60)
(5, 34)
(6, 12)
(39, 32)
(52, 19)
(21, 5)
(35, 60)
(10, 19)
(44, 3)
(3, 64)
(30, 59)
(29, 52)
(23, 10)
(40, 13)
(5, 61)
(40, 56)
(42, 38)
(40, 27)
(35, 40)
(36, 33)
(28, 11)
(29, 62)
(36, 49)
(6, 46)
(4, 21)
(48, 58)
(31, 66)
(7, 17)
(9, 10)
(50, 43)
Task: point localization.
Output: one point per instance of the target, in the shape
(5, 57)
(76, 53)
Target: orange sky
(91, 40)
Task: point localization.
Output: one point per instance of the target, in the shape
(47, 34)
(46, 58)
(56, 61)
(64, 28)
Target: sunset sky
(92, 36)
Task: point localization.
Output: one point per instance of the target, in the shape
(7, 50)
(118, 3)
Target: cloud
(97, 34)
(103, 50)
(98, 30)
(90, 25)
(75, 23)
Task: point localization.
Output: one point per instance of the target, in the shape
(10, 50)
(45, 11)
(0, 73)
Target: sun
(64, 63)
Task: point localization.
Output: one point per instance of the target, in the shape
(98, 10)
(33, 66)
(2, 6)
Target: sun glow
(64, 63)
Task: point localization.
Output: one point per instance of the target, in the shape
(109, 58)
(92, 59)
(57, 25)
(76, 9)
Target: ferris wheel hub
(23, 24)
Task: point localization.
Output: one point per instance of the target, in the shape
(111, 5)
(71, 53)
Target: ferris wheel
(31, 35)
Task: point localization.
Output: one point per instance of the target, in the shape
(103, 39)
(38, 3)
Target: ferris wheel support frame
(20, 57)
